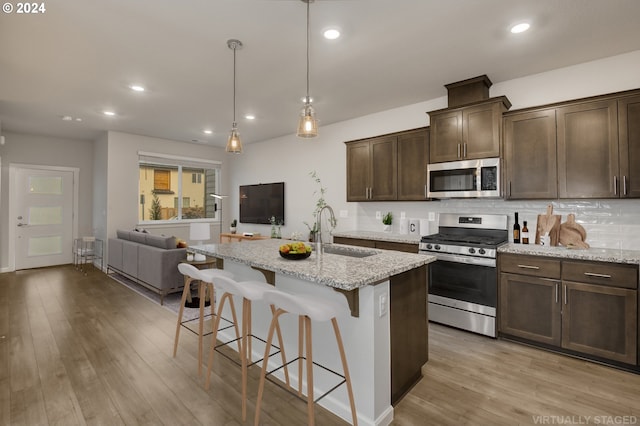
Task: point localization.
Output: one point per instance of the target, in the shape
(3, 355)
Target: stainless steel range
(463, 282)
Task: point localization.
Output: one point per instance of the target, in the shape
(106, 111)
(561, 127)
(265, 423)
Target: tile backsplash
(609, 223)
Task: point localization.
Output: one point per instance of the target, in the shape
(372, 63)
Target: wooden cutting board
(550, 223)
(572, 234)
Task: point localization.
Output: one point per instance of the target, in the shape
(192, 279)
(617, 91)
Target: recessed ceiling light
(520, 28)
(250, 117)
(67, 118)
(136, 88)
(109, 113)
(331, 33)
(78, 119)
(207, 132)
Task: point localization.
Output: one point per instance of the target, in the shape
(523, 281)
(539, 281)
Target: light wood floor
(86, 350)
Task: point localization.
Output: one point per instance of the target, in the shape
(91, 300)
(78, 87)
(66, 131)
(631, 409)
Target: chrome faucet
(332, 221)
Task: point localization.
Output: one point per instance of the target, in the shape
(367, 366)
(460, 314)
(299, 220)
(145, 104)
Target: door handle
(23, 224)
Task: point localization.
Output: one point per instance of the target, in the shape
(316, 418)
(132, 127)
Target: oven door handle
(464, 259)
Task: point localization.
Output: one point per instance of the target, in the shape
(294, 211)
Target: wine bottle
(516, 231)
(525, 233)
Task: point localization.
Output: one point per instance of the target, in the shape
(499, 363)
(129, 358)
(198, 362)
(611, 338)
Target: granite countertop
(593, 254)
(333, 270)
(380, 236)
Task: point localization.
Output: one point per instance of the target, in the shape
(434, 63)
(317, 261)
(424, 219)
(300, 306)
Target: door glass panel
(45, 185)
(45, 215)
(44, 246)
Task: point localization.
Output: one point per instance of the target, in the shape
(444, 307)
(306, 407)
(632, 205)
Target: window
(176, 188)
(162, 181)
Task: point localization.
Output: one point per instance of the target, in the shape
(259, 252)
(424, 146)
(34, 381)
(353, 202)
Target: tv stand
(229, 238)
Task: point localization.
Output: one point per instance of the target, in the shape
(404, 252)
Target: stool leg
(235, 320)
(244, 354)
(281, 343)
(201, 294)
(214, 337)
(345, 368)
(185, 291)
(309, 356)
(263, 374)
(300, 345)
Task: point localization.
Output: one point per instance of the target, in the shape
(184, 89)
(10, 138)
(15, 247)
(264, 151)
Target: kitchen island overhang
(386, 335)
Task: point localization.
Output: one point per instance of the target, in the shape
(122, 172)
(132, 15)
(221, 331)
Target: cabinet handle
(593, 274)
(509, 188)
(464, 150)
(425, 191)
(557, 292)
(565, 294)
(458, 150)
(528, 267)
(615, 185)
(624, 185)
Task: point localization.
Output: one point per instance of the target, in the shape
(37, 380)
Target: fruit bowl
(295, 256)
(295, 251)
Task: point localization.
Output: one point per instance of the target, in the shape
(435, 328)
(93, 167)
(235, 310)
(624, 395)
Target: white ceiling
(79, 57)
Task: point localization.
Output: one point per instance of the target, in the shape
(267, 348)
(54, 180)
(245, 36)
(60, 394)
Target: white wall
(120, 196)
(609, 223)
(50, 151)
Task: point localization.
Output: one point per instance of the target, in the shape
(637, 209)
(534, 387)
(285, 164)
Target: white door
(43, 207)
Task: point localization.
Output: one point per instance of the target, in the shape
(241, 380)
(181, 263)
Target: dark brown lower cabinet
(596, 316)
(408, 318)
(409, 330)
(530, 308)
(600, 321)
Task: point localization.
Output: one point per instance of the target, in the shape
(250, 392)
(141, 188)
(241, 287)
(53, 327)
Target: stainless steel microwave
(464, 179)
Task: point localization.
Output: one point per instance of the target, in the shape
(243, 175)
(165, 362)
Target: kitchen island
(385, 336)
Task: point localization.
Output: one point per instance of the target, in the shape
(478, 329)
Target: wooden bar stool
(308, 308)
(250, 291)
(206, 278)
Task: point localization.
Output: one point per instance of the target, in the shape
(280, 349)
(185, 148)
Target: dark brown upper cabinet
(372, 169)
(530, 166)
(468, 132)
(629, 142)
(388, 168)
(588, 148)
(413, 155)
(588, 165)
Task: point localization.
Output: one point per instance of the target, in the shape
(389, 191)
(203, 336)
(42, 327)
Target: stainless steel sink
(347, 251)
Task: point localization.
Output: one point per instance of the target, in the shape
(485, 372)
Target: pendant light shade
(307, 124)
(234, 144)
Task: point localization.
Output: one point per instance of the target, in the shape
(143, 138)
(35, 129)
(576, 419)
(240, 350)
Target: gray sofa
(150, 260)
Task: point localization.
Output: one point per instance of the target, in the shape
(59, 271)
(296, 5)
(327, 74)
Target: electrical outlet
(378, 215)
(403, 215)
(382, 305)
(344, 213)
(432, 216)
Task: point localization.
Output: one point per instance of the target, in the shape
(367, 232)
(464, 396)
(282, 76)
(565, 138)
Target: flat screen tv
(258, 203)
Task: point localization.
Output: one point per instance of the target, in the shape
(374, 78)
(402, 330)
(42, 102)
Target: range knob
(482, 251)
(472, 250)
(429, 246)
(437, 247)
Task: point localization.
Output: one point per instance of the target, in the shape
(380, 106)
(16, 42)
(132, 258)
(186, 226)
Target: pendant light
(234, 144)
(307, 125)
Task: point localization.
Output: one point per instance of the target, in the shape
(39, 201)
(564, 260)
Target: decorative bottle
(525, 233)
(516, 230)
